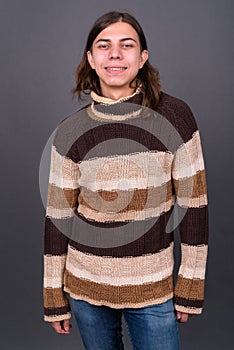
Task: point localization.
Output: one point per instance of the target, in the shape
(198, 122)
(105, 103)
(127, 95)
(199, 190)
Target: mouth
(115, 69)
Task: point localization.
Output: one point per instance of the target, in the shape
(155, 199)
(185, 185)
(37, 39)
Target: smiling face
(116, 57)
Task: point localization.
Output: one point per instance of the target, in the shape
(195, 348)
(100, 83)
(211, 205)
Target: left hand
(182, 316)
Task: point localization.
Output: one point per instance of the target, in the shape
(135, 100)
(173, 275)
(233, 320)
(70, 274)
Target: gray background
(191, 42)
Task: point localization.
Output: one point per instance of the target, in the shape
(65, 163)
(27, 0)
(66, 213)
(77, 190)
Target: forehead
(117, 31)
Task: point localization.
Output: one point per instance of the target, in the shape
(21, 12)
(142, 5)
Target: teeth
(115, 68)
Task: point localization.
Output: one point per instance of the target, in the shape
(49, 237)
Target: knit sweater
(118, 173)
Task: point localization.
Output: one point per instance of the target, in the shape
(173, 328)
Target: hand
(182, 316)
(61, 327)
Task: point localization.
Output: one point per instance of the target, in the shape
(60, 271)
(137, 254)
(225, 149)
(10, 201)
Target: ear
(143, 58)
(90, 59)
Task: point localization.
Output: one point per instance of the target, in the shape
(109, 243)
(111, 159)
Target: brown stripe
(192, 289)
(54, 297)
(196, 182)
(61, 198)
(137, 199)
(120, 294)
(188, 303)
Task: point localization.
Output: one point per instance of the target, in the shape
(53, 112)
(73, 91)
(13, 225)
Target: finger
(66, 325)
(184, 317)
(178, 315)
(58, 327)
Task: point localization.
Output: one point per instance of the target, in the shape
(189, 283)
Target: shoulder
(69, 129)
(74, 115)
(179, 113)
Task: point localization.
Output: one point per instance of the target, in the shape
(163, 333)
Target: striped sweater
(122, 178)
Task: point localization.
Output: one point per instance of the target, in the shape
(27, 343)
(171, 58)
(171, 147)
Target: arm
(189, 181)
(61, 203)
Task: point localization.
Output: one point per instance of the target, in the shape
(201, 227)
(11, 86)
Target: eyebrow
(108, 40)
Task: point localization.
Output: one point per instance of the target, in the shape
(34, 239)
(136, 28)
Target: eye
(103, 46)
(128, 45)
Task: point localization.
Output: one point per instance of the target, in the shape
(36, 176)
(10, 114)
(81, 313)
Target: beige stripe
(117, 295)
(188, 310)
(64, 173)
(192, 289)
(121, 271)
(130, 215)
(137, 170)
(124, 201)
(193, 261)
(188, 158)
(61, 198)
(54, 297)
(54, 271)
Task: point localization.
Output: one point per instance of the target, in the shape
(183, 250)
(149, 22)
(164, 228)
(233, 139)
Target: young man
(116, 186)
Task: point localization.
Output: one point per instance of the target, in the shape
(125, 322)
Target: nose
(115, 53)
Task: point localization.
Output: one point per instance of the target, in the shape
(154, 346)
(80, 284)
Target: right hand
(61, 327)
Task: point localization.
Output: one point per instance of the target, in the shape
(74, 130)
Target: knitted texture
(125, 187)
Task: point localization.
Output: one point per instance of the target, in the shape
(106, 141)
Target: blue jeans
(150, 328)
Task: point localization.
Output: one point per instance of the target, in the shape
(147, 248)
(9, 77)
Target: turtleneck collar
(106, 109)
(108, 101)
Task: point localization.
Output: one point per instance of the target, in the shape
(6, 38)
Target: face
(116, 56)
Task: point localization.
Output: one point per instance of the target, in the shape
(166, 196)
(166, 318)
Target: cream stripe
(193, 202)
(54, 271)
(188, 310)
(60, 213)
(94, 113)
(188, 158)
(57, 318)
(193, 261)
(63, 171)
(121, 271)
(129, 215)
(137, 170)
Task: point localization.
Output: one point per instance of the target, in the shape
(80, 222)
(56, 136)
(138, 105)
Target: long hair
(148, 76)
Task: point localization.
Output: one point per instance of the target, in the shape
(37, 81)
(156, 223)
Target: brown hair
(148, 77)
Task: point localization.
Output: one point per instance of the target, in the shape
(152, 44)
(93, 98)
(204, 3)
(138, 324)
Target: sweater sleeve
(61, 204)
(189, 182)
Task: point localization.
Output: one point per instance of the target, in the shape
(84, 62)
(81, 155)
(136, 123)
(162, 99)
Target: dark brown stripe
(179, 114)
(189, 303)
(154, 240)
(174, 110)
(194, 226)
(55, 242)
(118, 294)
(57, 311)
